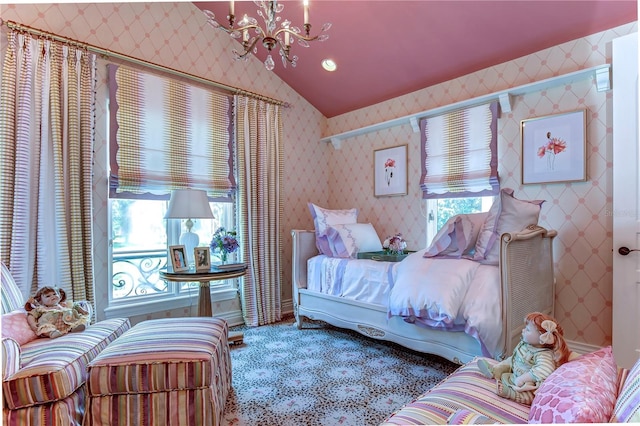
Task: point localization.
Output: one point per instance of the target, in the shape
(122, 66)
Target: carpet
(322, 375)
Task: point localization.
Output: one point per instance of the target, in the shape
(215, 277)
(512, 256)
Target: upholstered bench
(172, 371)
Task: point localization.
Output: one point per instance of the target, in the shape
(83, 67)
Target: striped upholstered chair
(43, 379)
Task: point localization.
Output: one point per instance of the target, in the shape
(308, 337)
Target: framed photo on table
(554, 148)
(178, 257)
(390, 171)
(202, 255)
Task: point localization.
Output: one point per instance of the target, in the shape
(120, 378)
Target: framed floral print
(554, 148)
(390, 171)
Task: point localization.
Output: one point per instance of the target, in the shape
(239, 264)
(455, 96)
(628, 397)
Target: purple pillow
(457, 238)
(323, 219)
(507, 214)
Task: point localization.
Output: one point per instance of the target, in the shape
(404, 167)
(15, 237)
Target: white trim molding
(600, 73)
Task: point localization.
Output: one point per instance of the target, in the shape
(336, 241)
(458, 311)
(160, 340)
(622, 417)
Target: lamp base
(190, 241)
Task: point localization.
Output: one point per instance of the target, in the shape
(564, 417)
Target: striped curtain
(166, 134)
(459, 153)
(259, 139)
(46, 136)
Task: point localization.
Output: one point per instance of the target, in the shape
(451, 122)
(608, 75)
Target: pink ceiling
(385, 49)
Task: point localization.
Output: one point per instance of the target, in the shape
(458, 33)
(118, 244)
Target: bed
(523, 281)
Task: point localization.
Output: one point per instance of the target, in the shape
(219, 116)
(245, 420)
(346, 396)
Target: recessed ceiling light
(329, 65)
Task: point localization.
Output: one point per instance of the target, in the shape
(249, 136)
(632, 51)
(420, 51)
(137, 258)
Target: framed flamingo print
(554, 148)
(390, 171)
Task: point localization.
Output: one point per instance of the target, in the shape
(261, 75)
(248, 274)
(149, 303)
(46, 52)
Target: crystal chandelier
(251, 33)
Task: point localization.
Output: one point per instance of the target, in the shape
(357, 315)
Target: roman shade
(166, 134)
(459, 153)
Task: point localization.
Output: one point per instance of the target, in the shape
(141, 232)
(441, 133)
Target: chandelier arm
(248, 48)
(230, 30)
(295, 34)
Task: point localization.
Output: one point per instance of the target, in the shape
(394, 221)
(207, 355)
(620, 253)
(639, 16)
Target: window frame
(178, 295)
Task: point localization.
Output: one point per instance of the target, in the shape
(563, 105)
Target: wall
(580, 212)
(176, 35)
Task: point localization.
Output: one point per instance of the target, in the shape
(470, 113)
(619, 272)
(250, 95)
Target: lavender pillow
(347, 240)
(325, 218)
(457, 237)
(507, 214)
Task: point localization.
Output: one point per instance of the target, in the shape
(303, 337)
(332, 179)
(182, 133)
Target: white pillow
(507, 214)
(324, 218)
(349, 239)
(457, 237)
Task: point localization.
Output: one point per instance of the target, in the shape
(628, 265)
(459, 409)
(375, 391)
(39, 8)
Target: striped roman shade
(166, 134)
(459, 153)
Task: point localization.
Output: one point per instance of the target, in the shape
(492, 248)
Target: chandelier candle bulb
(231, 8)
(306, 12)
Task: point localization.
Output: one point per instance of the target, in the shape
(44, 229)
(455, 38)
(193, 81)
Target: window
(140, 236)
(441, 209)
(165, 134)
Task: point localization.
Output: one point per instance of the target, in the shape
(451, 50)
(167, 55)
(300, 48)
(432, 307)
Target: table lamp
(189, 204)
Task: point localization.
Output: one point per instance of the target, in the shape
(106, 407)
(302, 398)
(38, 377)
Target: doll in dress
(541, 350)
(50, 315)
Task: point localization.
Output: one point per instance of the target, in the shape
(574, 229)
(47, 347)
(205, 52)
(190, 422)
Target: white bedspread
(367, 281)
(450, 294)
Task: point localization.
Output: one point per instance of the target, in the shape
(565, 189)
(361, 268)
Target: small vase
(223, 256)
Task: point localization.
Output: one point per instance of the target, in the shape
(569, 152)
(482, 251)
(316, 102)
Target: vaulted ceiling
(384, 49)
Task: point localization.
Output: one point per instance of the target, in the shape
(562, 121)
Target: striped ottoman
(173, 371)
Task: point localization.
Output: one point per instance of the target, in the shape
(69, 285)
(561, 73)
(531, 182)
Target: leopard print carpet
(322, 375)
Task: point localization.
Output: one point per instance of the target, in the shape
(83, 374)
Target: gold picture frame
(178, 256)
(202, 256)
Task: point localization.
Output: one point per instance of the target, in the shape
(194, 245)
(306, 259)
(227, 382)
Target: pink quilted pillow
(15, 326)
(580, 391)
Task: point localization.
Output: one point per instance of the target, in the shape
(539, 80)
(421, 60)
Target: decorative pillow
(468, 417)
(324, 218)
(16, 327)
(457, 237)
(627, 407)
(579, 391)
(349, 239)
(507, 214)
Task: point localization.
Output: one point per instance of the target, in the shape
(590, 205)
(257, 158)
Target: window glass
(140, 237)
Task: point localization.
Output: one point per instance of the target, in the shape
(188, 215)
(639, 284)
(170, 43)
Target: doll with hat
(50, 315)
(541, 350)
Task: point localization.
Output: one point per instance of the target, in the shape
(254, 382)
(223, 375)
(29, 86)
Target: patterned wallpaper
(175, 35)
(580, 212)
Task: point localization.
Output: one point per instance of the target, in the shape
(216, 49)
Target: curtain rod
(108, 53)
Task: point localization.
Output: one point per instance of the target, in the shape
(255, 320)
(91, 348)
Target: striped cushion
(169, 371)
(465, 389)
(10, 357)
(627, 408)
(12, 298)
(53, 369)
(66, 412)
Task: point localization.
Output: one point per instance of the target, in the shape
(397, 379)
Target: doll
(50, 315)
(541, 350)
